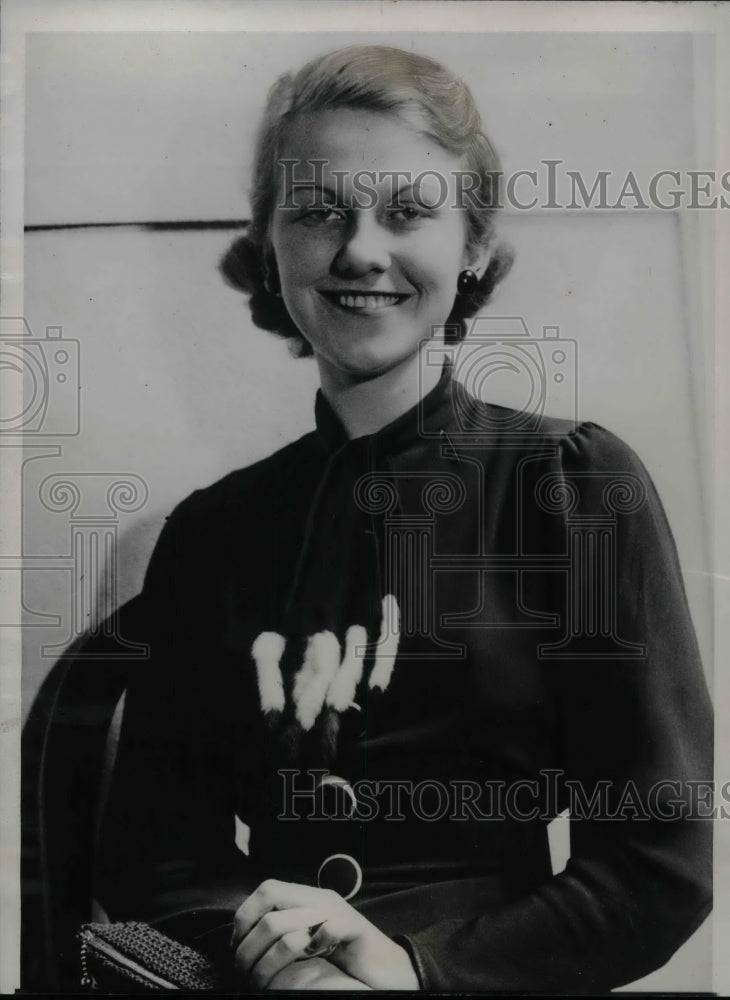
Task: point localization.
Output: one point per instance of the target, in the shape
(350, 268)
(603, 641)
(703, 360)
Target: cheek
(292, 246)
(304, 262)
(438, 259)
(439, 282)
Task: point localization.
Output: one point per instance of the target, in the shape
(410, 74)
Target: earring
(467, 282)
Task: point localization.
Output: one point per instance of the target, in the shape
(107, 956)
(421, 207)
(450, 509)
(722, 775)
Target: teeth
(367, 301)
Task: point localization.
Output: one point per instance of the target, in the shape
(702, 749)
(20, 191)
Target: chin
(369, 362)
(366, 352)
(365, 369)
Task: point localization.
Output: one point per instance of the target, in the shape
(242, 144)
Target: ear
(477, 259)
(268, 255)
(272, 282)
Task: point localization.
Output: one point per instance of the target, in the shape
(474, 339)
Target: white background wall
(178, 387)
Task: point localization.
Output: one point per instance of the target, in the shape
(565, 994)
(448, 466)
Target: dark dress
(545, 660)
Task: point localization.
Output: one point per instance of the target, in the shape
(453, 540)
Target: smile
(364, 301)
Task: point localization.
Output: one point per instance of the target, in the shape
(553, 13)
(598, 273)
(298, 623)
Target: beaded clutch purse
(133, 957)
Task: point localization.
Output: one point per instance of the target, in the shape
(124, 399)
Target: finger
(324, 942)
(270, 895)
(289, 948)
(272, 926)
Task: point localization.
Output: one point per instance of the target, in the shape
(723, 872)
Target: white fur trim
(243, 835)
(266, 651)
(387, 648)
(341, 692)
(321, 662)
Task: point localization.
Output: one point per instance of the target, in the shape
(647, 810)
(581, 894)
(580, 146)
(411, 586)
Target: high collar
(428, 415)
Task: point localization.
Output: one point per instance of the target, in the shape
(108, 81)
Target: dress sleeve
(636, 731)
(168, 835)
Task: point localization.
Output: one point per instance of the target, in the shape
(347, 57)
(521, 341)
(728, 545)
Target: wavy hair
(374, 78)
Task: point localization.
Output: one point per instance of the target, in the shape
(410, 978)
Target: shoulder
(590, 471)
(560, 466)
(206, 526)
(238, 489)
(576, 443)
(590, 447)
(598, 467)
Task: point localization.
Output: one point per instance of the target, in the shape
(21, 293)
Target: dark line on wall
(186, 224)
(195, 224)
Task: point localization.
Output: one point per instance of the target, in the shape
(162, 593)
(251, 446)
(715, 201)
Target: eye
(407, 213)
(317, 215)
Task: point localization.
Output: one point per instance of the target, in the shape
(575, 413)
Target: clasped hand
(281, 925)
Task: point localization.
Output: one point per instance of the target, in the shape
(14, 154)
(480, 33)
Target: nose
(366, 247)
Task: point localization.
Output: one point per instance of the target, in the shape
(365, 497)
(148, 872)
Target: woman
(369, 647)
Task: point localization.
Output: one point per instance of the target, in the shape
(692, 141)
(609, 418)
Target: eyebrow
(325, 189)
(304, 186)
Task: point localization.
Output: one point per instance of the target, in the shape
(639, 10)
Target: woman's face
(368, 262)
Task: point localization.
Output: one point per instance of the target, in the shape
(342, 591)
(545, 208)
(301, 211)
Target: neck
(366, 405)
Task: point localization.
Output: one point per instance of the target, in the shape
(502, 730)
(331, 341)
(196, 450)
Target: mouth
(363, 302)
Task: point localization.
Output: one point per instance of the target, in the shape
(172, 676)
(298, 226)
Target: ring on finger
(321, 951)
